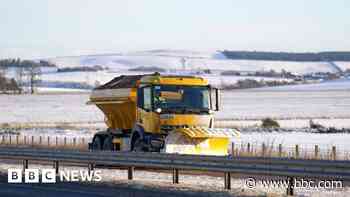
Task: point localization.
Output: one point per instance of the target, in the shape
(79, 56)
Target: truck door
(145, 115)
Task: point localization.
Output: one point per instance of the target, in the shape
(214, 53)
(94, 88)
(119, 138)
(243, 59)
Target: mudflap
(90, 146)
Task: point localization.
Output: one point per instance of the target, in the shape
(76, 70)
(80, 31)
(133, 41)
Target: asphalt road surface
(92, 190)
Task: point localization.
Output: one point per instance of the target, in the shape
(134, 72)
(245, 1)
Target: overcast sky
(47, 28)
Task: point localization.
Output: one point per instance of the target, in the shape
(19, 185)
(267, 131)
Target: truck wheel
(107, 144)
(96, 143)
(138, 146)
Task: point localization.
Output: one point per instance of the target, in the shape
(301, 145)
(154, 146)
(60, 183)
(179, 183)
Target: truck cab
(165, 103)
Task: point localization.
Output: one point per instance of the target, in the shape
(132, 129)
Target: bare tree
(20, 74)
(3, 71)
(13, 86)
(34, 74)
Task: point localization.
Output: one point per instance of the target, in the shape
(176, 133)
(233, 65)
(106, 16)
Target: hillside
(171, 60)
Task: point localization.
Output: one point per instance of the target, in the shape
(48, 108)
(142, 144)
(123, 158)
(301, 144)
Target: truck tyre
(96, 143)
(138, 145)
(108, 144)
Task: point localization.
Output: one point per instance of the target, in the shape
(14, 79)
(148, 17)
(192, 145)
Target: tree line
(285, 56)
(27, 75)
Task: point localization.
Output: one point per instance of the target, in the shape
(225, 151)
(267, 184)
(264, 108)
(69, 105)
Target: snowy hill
(171, 59)
(177, 62)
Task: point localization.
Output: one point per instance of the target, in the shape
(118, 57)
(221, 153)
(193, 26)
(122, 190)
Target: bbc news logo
(50, 176)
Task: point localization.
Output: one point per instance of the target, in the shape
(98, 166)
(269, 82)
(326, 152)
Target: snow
(62, 90)
(48, 108)
(253, 104)
(291, 123)
(343, 65)
(170, 59)
(171, 62)
(83, 77)
(341, 84)
(236, 105)
(102, 77)
(221, 81)
(306, 141)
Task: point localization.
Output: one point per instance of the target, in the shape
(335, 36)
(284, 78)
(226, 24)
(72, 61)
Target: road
(94, 190)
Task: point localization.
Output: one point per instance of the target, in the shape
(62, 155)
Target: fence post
(56, 165)
(296, 151)
(280, 150)
(233, 149)
(90, 167)
(248, 148)
(263, 149)
(25, 164)
(290, 189)
(130, 173)
(334, 153)
(175, 176)
(317, 150)
(227, 180)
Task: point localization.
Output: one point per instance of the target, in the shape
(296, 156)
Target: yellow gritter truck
(160, 113)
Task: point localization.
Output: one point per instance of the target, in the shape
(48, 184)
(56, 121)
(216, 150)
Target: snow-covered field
(242, 108)
(297, 123)
(285, 105)
(343, 65)
(100, 77)
(306, 141)
(60, 90)
(341, 84)
(47, 108)
(237, 105)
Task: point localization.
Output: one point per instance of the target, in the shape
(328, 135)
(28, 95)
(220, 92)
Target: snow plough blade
(200, 141)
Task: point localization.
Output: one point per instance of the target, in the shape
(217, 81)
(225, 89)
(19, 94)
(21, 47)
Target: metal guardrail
(283, 167)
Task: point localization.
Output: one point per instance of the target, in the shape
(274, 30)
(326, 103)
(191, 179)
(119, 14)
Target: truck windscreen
(181, 99)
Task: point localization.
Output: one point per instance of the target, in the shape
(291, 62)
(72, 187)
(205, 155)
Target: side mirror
(217, 99)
